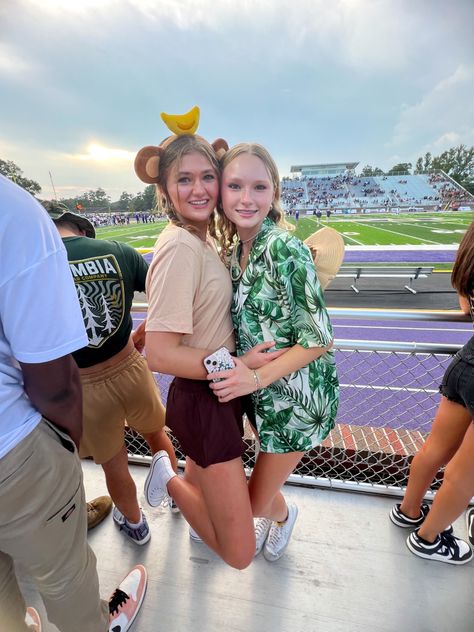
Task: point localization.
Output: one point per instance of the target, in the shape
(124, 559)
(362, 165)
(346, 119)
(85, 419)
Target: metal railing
(389, 395)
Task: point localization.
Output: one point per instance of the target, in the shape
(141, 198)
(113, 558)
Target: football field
(420, 229)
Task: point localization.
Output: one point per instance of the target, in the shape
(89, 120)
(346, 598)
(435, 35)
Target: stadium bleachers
(348, 191)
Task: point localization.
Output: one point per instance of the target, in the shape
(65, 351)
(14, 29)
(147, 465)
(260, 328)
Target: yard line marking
(436, 229)
(394, 232)
(360, 243)
(395, 389)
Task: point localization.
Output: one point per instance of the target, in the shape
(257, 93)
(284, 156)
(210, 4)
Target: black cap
(59, 212)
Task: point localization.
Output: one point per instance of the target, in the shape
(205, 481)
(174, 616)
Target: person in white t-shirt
(43, 523)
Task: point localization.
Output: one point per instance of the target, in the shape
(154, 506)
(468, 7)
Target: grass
(393, 230)
(137, 235)
(414, 229)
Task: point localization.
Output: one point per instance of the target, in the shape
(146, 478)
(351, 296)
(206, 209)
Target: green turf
(137, 235)
(414, 229)
(397, 230)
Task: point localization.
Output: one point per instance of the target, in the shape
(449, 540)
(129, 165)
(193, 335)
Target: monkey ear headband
(147, 161)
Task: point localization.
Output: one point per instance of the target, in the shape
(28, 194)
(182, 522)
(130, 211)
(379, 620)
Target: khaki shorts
(126, 392)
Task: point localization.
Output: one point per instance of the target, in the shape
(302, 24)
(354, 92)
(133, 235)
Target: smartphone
(220, 360)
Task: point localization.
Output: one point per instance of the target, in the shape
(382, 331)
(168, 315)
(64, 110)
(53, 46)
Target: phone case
(220, 360)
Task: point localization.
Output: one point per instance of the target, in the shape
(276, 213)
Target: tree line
(457, 162)
(97, 200)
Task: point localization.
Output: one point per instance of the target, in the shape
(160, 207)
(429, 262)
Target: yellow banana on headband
(181, 124)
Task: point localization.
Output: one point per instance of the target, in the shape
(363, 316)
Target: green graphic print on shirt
(279, 298)
(106, 275)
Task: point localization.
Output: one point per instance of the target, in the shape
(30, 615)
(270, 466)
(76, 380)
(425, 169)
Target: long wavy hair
(462, 276)
(226, 230)
(173, 155)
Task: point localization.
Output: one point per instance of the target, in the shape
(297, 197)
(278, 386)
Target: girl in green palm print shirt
(277, 296)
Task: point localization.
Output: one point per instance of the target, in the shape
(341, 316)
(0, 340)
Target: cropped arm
(464, 304)
(165, 353)
(54, 389)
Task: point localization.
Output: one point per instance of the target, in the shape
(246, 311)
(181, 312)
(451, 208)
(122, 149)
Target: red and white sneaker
(33, 620)
(127, 599)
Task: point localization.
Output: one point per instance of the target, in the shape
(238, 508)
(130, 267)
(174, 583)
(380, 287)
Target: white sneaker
(158, 476)
(262, 527)
(470, 525)
(127, 599)
(33, 620)
(279, 535)
(446, 548)
(195, 537)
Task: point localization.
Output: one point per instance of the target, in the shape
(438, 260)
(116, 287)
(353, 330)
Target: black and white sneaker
(446, 548)
(402, 520)
(470, 524)
(172, 506)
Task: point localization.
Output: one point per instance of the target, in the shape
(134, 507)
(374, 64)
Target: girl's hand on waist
(233, 383)
(260, 355)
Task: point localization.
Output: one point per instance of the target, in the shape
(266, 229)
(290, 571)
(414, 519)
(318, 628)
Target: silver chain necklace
(234, 262)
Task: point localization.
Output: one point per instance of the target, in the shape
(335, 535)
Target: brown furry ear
(220, 146)
(147, 164)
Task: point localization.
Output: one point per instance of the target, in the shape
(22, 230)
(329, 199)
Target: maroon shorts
(209, 432)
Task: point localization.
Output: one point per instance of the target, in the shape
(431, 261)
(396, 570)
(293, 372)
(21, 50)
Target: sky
(83, 82)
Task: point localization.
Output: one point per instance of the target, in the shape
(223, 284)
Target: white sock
(167, 471)
(134, 525)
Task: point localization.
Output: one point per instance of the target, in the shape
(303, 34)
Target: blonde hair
(225, 228)
(172, 155)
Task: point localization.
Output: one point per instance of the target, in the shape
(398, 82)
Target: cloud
(313, 80)
(95, 152)
(361, 34)
(12, 63)
(443, 116)
(76, 172)
(368, 35)
(63, 8)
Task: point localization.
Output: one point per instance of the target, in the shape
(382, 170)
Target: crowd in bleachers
(349, 191)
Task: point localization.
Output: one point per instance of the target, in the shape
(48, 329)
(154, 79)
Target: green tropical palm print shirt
(278, 297)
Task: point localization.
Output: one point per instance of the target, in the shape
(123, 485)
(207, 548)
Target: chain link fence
(389, 395)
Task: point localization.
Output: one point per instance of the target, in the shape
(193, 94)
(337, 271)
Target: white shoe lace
(449, 546)
(261, 527)
(275, 536)
(167, 501)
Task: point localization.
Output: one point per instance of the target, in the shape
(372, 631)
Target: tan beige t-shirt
(189, 291)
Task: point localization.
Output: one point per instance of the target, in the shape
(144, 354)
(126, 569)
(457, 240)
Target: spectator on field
(117, 384)
(43, 512)
(451, 442)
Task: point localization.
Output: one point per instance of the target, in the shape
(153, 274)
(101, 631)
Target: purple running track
(399, 256)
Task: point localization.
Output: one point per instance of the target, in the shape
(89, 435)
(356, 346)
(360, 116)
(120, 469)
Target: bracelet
(258, 384)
